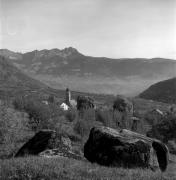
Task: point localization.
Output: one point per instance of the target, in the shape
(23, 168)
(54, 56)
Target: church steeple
(67, 97)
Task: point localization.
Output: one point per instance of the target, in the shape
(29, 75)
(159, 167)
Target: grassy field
(38, 168)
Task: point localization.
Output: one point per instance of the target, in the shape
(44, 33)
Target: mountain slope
(68, 67)
(11, 76)
(13, 81)
(164, 91)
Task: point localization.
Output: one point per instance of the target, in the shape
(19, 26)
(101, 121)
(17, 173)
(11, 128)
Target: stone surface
(37, 144)
(48, 143)
(110, 147)
(54, 153)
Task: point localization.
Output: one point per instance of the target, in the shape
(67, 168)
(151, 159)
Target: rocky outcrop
(54, 153)
(110, 147)
(48, 143)
(40, 142)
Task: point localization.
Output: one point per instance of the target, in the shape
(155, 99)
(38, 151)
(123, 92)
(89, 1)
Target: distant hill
(164, 91)
(68, 67)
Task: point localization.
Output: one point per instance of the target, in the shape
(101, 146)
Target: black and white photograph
(87, 89)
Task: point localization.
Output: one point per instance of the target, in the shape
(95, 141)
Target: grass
(38, 168)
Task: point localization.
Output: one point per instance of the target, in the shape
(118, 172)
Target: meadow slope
(68, 169)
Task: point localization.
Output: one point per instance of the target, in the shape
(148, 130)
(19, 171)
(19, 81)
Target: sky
(109, 28)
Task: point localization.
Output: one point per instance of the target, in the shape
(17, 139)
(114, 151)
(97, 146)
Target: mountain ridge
(75, 50)
(68, 67)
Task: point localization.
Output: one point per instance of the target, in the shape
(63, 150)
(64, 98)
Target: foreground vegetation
(38, 168)
(23, 117)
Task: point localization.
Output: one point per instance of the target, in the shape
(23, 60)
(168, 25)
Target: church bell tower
(67, 97)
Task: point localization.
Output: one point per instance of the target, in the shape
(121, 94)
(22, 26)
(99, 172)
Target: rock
(110, 147)
(37, 144)
(54, 153)
(48, 143)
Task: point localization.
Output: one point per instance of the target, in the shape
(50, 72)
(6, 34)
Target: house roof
(158, 111)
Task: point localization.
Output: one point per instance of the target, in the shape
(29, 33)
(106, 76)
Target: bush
(38, 114)
(13, 130)
(153, 119)
(106, 118)
(85, 122)
(88, 115)
(172, 146)
(165, 130)
(41, 116)
(51, 99)
(19, 103)
(82, 128)
(71, 115)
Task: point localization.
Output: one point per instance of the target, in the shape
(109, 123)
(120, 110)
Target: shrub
(13, 130)
(172, 146)
(41, 116)
(82, 128)
(51, 99)
(71, 115)
(165, 130)
(88, 115)
(153, 119)
(105, 117)
(19, 103)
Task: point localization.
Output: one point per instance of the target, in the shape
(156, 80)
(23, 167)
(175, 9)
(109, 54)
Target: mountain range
(70, 68)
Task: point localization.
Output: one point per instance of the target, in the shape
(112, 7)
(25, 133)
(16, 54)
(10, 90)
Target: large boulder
(40, 142)
(110, 147)
(48, 143)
